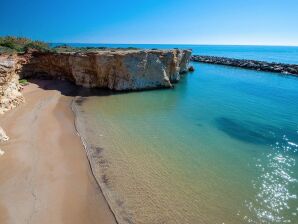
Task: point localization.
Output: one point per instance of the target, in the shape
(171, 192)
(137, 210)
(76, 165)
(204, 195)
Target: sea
(221, 147)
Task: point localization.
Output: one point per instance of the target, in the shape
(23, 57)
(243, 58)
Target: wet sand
(45, 176)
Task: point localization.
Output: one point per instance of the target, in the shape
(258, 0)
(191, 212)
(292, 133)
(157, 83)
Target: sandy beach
(44, 173)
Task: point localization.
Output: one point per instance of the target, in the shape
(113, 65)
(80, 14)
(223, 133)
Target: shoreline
(47, 179)
(99, 165)
(85, 145)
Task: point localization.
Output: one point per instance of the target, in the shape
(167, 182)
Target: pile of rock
(248, 64)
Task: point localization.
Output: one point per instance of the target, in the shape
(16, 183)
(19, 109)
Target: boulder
(191, 69)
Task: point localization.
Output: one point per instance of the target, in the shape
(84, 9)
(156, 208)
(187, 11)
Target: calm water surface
(221, 147)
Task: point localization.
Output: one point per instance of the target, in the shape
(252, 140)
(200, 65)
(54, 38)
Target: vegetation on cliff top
(12, 44)
(23, 82)
(67, 48)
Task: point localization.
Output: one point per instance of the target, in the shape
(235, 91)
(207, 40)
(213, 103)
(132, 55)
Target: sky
(233, 22)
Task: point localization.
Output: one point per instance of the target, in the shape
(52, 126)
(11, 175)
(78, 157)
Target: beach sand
(45, 176)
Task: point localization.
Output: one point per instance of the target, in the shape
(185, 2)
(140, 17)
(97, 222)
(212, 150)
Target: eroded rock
(116, 70)
(10, 95)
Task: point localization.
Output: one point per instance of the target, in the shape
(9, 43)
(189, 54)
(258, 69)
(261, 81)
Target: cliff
(116, 70)
(289, 69)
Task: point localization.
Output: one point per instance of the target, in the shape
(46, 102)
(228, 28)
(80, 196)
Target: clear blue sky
(265, 22)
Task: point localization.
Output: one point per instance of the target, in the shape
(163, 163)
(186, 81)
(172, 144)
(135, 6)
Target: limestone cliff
(10, 95)
(115, 70)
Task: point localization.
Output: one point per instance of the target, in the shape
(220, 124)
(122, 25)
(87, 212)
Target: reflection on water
(276, 186)
(276, 183)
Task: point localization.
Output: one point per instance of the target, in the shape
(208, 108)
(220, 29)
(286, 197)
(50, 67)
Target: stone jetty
(290, 69)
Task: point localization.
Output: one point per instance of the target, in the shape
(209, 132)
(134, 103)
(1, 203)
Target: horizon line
(264, 45)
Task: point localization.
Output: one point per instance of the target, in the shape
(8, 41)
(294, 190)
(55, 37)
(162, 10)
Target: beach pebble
(1, 152)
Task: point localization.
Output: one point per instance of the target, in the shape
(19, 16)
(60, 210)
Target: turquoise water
(221, 147)
(280, 54)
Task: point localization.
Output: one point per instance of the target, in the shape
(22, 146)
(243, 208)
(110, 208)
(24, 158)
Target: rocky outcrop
(10, 95)
(116, 70)
(248, 64)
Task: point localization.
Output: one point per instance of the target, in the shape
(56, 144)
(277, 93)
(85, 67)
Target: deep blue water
(280, 54)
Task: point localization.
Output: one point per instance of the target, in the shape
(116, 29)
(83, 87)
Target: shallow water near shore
(221, 147)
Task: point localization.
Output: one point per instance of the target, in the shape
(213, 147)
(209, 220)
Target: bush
(37, 45)
(23, 82)
(21, 44)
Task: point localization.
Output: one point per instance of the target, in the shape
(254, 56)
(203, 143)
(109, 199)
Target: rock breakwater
(290, 69)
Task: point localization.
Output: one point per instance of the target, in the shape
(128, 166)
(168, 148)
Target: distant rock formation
(116, 70)
(248, 64)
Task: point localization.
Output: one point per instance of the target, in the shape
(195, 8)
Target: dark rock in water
(191, 69)
(290, 69)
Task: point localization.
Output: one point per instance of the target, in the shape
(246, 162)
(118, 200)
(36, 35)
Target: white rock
(3, 136)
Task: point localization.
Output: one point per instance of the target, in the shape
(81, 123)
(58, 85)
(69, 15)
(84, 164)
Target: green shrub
(21, 44)
(37, 45)
(11, 44)
(23, 82)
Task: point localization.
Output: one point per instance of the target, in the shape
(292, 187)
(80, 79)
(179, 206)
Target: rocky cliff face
(115, 70)
(10, 95)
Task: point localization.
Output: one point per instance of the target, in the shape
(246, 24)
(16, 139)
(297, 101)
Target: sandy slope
(44, 173)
